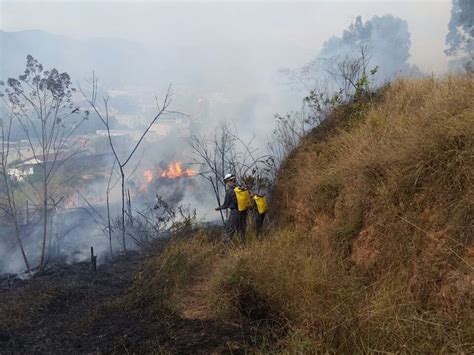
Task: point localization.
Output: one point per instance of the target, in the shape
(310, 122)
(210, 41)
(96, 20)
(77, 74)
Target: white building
(24, 169)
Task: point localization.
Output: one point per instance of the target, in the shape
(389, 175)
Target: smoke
(385, 41)
(11, 261)
(223, 61)
(460, 37)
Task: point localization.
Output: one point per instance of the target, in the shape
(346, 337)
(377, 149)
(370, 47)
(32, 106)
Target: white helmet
(228, 177)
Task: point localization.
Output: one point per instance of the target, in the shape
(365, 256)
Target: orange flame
(148, 176)
(175, 171)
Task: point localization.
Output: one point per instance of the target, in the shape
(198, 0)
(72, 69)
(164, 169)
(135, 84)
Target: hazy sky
(282, 33)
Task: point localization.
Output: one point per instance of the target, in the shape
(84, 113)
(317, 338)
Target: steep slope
(374, 245)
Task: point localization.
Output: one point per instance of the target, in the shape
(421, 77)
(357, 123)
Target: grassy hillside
(372, 248)
(374, 245)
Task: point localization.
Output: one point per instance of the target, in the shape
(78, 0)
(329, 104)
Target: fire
(175, 170)
(148, 175)
(148, 178)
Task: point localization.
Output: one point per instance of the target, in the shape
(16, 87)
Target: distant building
(177, 127)
(25, 168)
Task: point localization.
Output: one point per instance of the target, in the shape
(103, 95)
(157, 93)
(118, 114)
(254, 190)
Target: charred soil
(71, 308)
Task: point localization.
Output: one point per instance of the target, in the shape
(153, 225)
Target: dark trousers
(231, 225)
(236, 223)
(242, 225)
(259, 217)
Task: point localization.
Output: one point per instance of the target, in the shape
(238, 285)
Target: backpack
(243, 198)
(261, 203)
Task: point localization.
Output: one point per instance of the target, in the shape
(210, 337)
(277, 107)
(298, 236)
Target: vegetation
(370, 250)
(122, 161)
(40, 102)
(373, 250)
(227, 152)
(369, 245)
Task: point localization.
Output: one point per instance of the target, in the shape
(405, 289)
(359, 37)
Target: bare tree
(290, 128)
(107, 195)
(8, 201)
(347, 71)
(288, 131)
(42, 103)
(225, 152)
(214, 158)
(122, 161)
(346, 80)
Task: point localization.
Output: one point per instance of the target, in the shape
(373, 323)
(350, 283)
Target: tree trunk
(10, 194)
(129, 208)
(122, 175)
(12, 207)
(45, 221)
(109, 225)
(18, 237)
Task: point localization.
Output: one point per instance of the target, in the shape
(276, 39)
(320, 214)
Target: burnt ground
(69, 308)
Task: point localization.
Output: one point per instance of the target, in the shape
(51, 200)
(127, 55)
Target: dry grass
(373, 251)
(375, 247)
(163, 275)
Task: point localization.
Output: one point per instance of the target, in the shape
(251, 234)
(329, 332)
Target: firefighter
(237, 217)
(233, 223)
(261, 210)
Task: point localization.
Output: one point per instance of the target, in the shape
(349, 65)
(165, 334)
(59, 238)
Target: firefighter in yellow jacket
(237, 200)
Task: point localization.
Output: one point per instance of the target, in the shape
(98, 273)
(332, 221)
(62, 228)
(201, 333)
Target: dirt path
(193, 305)
(192, 302)
(200, 332)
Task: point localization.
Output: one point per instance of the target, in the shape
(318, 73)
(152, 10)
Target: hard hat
(228, 177)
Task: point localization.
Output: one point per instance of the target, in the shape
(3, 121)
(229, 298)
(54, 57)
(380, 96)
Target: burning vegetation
(173, 171)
